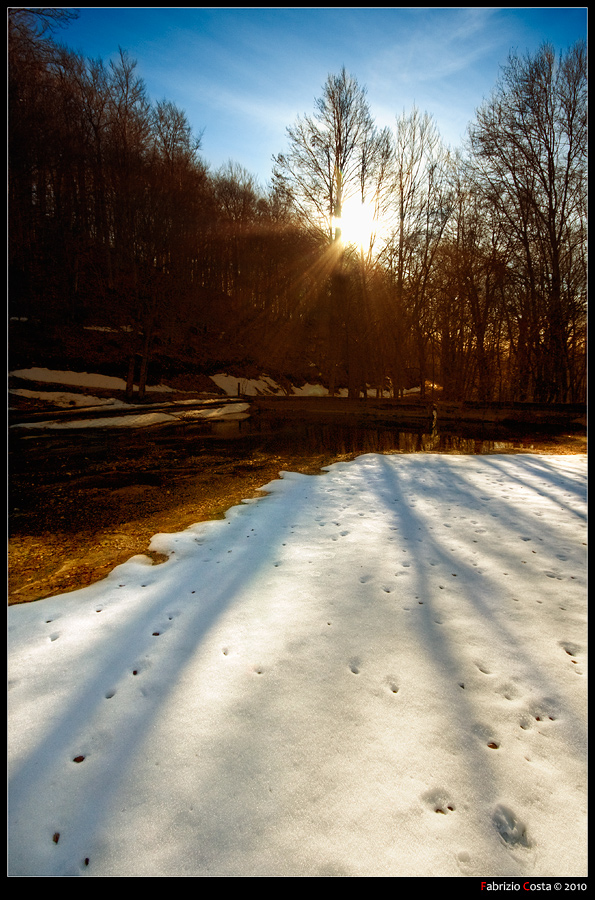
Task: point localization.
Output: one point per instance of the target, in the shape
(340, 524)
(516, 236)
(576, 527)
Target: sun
(358, 225)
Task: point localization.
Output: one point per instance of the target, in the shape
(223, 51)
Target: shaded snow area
(67, 400)
(231, 411)
(80, 379)
(139, 417)
(377, 671)
(230, 384)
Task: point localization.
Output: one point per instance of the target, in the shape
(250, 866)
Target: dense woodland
(472, 273)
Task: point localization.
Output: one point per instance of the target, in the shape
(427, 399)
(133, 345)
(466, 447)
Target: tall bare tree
(333, 157)
(419, 207)
(323, 165)
(529, 146)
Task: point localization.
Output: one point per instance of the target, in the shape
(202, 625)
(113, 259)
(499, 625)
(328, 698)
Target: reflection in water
(343, 440)
(276, 434)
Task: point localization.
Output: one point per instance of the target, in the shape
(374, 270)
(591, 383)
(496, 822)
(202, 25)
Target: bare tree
(420, 206)
(529, 146)
(334, 156)
(323, 166)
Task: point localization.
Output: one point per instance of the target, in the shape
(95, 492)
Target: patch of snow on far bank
(81, 379)
(232, 411)
(249, 387)
(135, 421)
(311, 390)
(62, 398)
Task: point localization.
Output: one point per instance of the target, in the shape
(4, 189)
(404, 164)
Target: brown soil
(69, 533)
(78, 508)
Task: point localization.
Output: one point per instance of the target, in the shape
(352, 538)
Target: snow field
(380, 670)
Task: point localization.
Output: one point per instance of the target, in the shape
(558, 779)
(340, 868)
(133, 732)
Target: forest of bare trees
(471, 273)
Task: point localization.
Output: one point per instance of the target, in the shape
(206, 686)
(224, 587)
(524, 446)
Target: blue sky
(243, 74)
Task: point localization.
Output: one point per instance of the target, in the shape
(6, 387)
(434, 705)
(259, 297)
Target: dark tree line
(471, 275)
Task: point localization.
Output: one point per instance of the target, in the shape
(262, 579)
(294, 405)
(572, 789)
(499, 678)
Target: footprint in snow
(439, 801)
(512, 830)
(485, 733)
(508, 690)
(571, 649)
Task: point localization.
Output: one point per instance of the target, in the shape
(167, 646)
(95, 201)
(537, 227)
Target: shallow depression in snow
(376, 671)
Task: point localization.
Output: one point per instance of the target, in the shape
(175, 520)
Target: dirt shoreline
(77, 509)
(64, 536)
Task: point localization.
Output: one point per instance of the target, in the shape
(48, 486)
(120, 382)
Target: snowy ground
(376, 671)
(230, 384)
(231, 411)
(139, 416)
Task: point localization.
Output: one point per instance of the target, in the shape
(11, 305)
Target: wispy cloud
(437, 44)
(243, 74)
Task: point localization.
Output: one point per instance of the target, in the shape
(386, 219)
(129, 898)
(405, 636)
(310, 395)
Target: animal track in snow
(486, 735)
(511, 829)
(570, 648)
(439, 801)
(483, 668)
(508, 691)
(140, 667)
(539, 714)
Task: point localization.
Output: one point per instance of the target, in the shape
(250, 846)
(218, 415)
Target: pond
(275, 434)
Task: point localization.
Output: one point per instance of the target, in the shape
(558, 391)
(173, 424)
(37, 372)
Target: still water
(276, 435)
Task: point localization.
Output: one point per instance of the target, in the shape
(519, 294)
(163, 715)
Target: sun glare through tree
(360, 226)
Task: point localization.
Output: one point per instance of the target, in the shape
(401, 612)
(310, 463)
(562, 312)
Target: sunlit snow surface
(380, 670)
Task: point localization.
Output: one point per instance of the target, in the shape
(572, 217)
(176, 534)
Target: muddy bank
(76, 513)
(81, 504)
